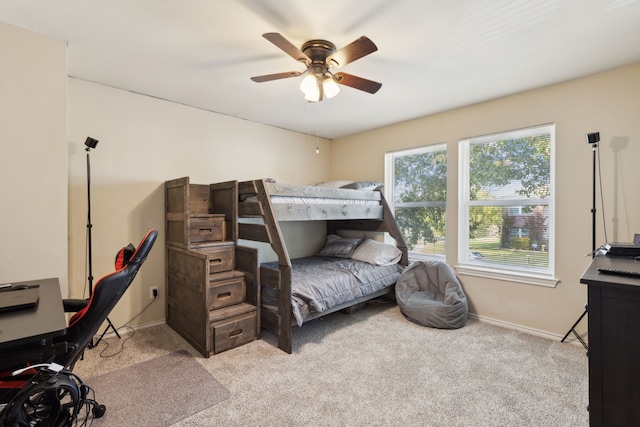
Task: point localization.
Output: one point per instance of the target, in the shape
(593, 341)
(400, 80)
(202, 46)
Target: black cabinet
(614, 343)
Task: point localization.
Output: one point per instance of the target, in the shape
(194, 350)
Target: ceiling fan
(319, 56)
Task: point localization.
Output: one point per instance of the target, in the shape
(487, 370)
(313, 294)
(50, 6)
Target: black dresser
(614, 343)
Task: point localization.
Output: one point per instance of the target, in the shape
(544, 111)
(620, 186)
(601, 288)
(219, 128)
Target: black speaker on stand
(592, 139)
(92, 143)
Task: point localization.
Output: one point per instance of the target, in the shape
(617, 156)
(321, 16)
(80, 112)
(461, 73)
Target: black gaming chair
(51, 394)
(72, 305)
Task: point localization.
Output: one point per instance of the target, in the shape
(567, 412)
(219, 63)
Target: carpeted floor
(375, 368)
(160, 391)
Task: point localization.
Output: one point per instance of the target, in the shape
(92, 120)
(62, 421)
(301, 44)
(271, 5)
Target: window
(506, 204)
(416, 185)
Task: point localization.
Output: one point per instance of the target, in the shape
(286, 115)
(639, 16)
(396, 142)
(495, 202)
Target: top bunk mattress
(319, 283)
(308, 202)
(319, 193)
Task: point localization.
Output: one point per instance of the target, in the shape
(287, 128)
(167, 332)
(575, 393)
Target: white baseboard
(150, 324)
(537, 332)
(111, 334)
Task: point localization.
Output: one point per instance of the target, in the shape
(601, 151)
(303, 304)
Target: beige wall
(608, 103)
(33, 156)
(143, 142)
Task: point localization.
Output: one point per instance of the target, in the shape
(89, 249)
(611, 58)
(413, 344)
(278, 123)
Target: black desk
(45, 321)
(614, 343)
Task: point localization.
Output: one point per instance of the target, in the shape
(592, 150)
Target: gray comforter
(319, 283)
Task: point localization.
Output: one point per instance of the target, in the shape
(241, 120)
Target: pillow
(341, 247)
(377, 253)
(333, 184)
(364, 185)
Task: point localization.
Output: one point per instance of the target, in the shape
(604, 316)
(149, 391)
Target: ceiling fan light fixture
(308, 83)
(309, 86)
(330, 87)
(313, 96)
(319, 56)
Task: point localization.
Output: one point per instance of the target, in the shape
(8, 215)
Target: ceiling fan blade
(288, 47)
(277, 76)
(357, 82)
(354, 50)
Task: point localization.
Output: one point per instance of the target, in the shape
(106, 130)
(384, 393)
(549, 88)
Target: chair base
(573, 330)
(109, 326)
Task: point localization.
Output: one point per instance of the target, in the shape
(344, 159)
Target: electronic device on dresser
(628, 250)
(618, 272)
(18, 297)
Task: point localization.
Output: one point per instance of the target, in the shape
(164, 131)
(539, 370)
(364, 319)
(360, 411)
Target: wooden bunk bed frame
(376, 217)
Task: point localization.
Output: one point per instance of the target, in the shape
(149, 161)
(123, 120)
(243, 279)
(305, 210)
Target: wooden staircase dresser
(212, 283)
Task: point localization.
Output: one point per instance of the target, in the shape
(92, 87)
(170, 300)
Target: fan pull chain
(317, 127)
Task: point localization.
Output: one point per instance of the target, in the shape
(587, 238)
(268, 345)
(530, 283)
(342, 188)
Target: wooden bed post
(284, 336)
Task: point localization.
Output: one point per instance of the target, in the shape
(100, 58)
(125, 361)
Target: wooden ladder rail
(269, 232)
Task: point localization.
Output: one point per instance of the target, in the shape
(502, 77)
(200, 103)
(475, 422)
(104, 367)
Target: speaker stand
(92, 143)
(592, 139)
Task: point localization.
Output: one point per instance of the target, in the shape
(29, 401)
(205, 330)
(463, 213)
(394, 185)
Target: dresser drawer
(206, 228)
(223, 293)
(220, 258)
(233, 332)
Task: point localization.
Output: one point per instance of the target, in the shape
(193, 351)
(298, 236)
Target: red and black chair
(51, 394)
(79, 306)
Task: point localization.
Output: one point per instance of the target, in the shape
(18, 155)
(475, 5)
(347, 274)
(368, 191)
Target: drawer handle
(235, 333)
(224, 295)
(216, 261)
(206, 230)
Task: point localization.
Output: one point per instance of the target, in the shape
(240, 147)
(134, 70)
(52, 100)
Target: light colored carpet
(375, 368)
(157, 392)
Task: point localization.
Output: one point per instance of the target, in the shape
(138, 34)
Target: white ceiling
(433, 55)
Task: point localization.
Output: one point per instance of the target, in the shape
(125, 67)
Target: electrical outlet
(153, 292)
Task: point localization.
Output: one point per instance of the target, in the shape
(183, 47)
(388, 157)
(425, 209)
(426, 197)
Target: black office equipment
(18, 297)
(622, 249)
(617, 272)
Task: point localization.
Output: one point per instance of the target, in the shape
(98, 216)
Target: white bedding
(321, 201)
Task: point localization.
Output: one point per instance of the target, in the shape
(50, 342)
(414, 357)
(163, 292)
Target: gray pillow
(377, 253)
(337, 246)
(364, 185)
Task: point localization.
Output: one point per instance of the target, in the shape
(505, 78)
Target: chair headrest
(144, 247)
(124, 255)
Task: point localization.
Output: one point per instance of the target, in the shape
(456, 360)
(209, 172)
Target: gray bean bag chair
(429, 294)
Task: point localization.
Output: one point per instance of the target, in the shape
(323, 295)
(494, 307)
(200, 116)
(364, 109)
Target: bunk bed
(266, 204)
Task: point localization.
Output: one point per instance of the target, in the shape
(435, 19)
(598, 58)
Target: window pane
(419, 194)
(514, 236)
(420, 177)
(506, 189)
(422, 229)
(510, 169)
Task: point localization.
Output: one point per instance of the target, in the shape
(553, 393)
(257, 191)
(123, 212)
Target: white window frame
(389, 178)
(540, 277)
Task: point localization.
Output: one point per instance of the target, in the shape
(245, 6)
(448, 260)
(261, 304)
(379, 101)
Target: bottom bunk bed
(321, 285)
(346, 272)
